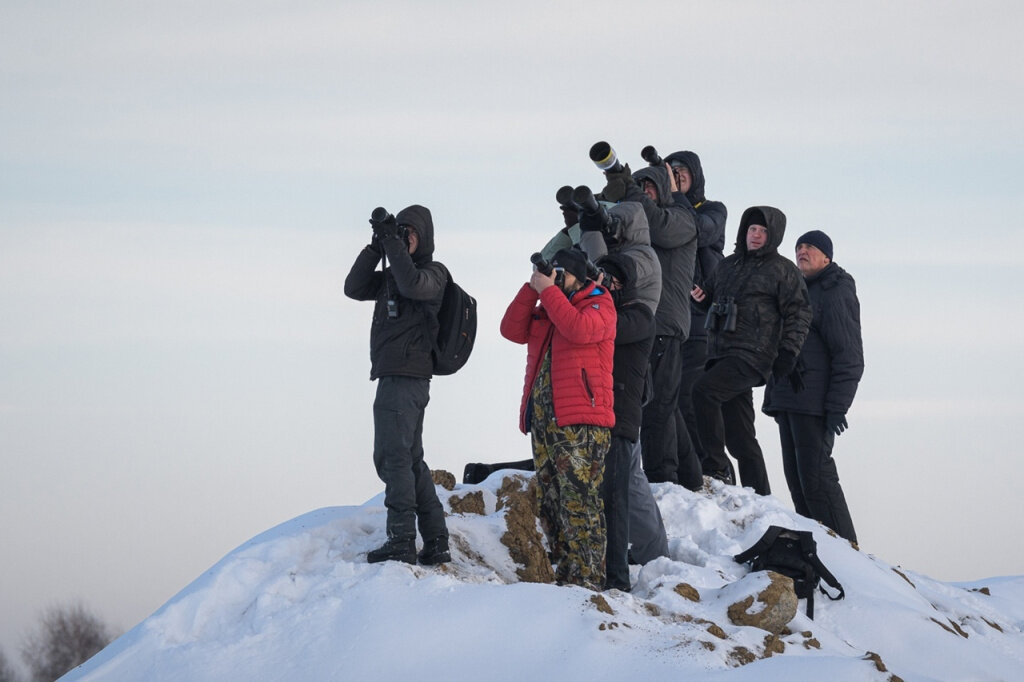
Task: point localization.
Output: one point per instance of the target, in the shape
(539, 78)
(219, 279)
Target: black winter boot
(394, 550)
(435, 552)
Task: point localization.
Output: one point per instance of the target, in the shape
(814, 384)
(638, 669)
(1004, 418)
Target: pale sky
(183, 187)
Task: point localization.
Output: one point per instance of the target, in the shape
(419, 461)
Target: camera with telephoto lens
(722, 315)
(651, 156)
(605, 158)
(381, 215)
(545, 267)
(583, 197)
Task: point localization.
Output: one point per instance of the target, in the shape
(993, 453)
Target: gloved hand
(796, 380)
(783, 365)
(385, 229)
(618, 184)
(571, 217)
(591, 222)
(376, 246)
(835, 422)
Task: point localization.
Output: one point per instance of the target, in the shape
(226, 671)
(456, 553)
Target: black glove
(385, 229)
(591, 222)
(835, 422)
(571, 217)
(376, 246)
(618, 184)
(783, 365)
(796, 380)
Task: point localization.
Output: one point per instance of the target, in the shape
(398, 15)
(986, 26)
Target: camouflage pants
(570, 467)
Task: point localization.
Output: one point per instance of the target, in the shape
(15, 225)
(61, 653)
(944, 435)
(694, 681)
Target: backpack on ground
(792, 553)
(456, 331)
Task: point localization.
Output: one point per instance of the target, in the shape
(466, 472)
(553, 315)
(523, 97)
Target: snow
(299, 602)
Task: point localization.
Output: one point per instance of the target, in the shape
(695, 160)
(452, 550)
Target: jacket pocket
(586, 387)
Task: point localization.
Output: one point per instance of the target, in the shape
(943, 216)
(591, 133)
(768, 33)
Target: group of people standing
(644, 342)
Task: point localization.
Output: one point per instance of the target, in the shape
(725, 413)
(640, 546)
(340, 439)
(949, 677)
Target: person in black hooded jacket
(831, 363)
(407, 295)
(634, 336)
(758, 317)
(711, 216)
(673, 231)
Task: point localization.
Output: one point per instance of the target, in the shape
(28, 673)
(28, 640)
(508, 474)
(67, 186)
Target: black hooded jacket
(402, 345)
(772, 310)
(711, 218)
(634, 338)
(831, 362)
(674, 238)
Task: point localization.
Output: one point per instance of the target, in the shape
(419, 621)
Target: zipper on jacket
(586, 385)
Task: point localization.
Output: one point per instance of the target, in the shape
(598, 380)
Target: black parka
(772, 310)
(401, 346)
(831, 362)
(634, 338)
(710, 220)
(673, 231)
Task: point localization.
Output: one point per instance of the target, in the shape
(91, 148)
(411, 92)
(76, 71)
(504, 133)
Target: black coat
(402, 345)
(673, 228)
(634, 338)
(772, 310)
(832, 359)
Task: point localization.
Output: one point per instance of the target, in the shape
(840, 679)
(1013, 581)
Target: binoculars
(722, 315)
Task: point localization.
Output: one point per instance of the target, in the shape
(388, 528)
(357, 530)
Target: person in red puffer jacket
(568, 322)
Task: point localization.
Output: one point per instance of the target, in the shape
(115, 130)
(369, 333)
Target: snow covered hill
(299, 602)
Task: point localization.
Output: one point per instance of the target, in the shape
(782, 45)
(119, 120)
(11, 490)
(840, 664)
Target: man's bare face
(810, 259)
(757, 237)
(684, 181)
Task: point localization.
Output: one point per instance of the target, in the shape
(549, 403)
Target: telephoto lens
(651, 156)
(379, 215)
(604, 157)
(543, 266)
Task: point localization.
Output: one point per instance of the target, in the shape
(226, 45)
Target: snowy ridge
(299, 602)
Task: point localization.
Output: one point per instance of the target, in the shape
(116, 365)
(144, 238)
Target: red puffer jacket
(581, 333)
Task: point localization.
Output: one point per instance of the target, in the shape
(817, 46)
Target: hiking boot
(725, 476)
(393, 550)
(435, 552)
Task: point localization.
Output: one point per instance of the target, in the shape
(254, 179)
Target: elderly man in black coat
(831, 364)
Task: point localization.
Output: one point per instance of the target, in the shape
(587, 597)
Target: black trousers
(665, 442)
(811, 472)
(724, 404)
(695, 354)
(409, 492)
(615, 494)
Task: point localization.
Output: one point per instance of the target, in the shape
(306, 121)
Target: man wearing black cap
(831, 363)
(567, 322)
(758, 316)
(408, 296)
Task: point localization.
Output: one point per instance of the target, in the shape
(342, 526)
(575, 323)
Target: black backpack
(456, 328)
(792, 553)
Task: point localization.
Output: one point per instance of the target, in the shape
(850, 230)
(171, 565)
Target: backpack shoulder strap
(760, 546)
(809, 548)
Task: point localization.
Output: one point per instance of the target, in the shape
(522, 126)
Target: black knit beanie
(818, 239)
(573, 261)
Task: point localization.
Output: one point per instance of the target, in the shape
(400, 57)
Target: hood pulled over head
(418, 217)
(659, 176)
(769, 216)
(692, 163)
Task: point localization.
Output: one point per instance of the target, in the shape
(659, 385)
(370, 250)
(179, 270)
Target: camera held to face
(722, 315)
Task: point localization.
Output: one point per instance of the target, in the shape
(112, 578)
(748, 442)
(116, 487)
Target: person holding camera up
(832, 362)
(757, 318)
(407, 296)
(567, 322)
(673, 234)
(711, 216)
